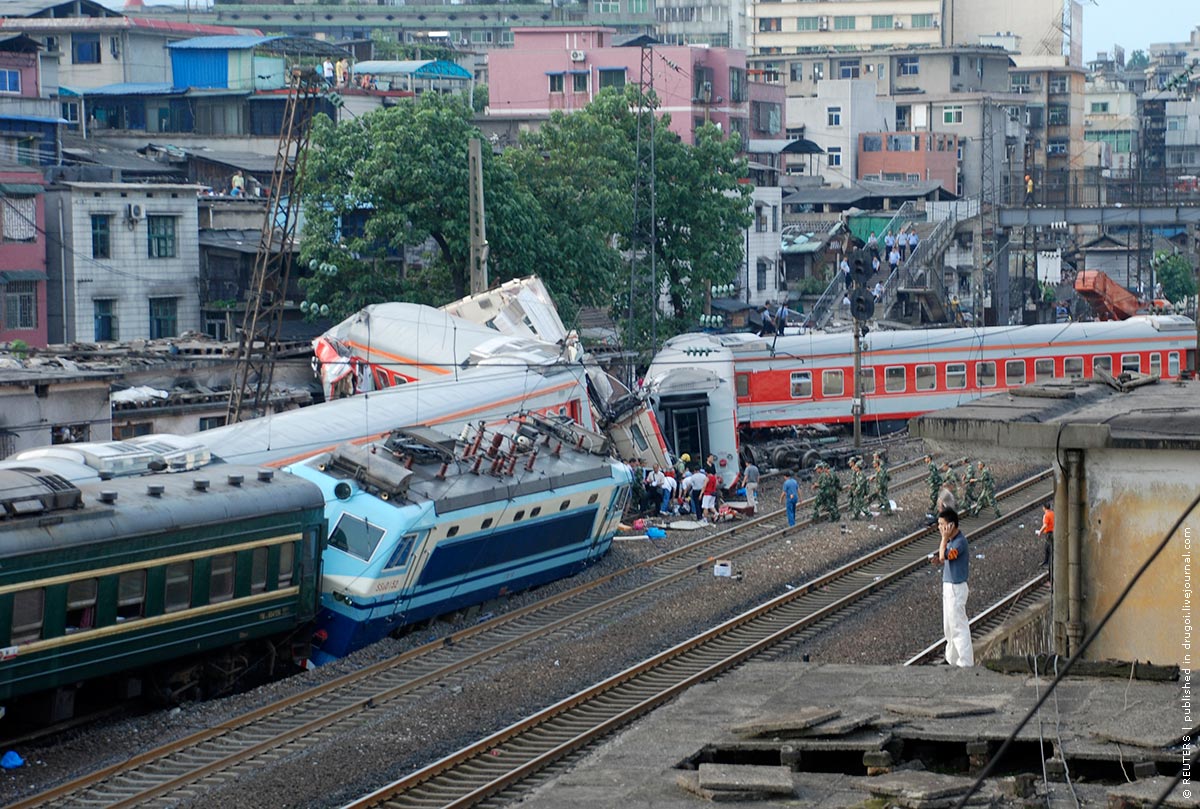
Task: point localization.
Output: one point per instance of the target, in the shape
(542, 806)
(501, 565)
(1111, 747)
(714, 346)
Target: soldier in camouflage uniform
(881, 479)
(987, 495)
(831, 487)
(935, 484)
(858, 490)
(967, 504)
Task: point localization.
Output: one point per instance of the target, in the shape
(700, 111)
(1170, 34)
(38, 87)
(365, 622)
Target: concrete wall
(1133, 498)
(30, 418)
(1038, 23)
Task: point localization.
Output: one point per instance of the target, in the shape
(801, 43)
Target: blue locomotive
(178, 582)
(421, 524)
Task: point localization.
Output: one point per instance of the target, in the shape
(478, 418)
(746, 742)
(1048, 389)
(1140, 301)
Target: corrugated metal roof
(227, 42)
(37, 119)
(420, 68)
(132, 88)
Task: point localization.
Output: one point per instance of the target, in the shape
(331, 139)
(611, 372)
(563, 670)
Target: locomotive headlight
(343, 491)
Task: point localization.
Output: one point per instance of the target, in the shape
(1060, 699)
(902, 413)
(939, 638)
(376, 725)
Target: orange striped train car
(713, 391)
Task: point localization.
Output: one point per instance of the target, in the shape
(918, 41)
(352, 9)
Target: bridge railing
(1096, 187)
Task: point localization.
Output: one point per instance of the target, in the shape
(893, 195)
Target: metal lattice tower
(258, 342)
(644, 178)
(988, 199)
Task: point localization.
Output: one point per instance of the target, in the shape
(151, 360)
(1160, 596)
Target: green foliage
(1176, 275)
(813, 285)
(19, 348)
(479, 98)
(1137, 60)
(559, 205)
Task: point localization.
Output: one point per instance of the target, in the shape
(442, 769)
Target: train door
(685, 420)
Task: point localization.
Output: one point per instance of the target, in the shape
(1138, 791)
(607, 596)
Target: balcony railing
(1095, 188)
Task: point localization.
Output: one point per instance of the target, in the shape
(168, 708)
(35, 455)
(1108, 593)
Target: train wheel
(810, 459)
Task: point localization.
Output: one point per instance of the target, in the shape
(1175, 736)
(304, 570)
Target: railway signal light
(862, 304)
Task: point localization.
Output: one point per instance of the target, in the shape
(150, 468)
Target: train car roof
(485, 392)
(138, 511)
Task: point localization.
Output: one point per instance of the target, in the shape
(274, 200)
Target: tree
(1137, 60)
(397, 178)
(1176, 276)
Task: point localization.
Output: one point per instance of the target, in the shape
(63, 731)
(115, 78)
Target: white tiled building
(128, 261)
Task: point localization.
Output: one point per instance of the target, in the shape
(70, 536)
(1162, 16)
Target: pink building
(22, 255)
(563, 68)
(909, 157)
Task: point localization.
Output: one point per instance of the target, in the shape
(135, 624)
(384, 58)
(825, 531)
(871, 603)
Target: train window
(287, 564)
(1155, 364)
(985, 374)
(868, 381)
(1073, 366)
(1173, 364)
(893, 379)
(403, 548)
(486, 524)
(178, 587)
(593, 498)
(1043, 370)
(801, 384)
(220, 582)
(742, 382)
(356, 537)
(639, 438)
(81, 605)
(956, 375)
(1102, 364)
(833, 383)
(926, 377)
(28, 612)
(452, 531)
(131, 595)
(564, 505)
(536, 510)
(1014, 373)
(1131, 362)
(258, 571)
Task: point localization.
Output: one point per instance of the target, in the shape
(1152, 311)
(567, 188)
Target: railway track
(1034, 591)
(308, 719)
(492, 765)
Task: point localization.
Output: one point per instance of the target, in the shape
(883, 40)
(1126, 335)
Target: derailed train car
(178, 584)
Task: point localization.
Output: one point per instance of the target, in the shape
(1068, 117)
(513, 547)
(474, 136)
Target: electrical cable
(1083, 647)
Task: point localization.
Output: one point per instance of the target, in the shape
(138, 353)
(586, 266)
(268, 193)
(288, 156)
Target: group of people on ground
(336, 73)
(974, 483)
(896, 247)
(680, 489)
(864, 489)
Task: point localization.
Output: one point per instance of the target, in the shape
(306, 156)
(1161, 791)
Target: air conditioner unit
(897, 24)
(936, 22)
(578, 56)
(822, 23)
(135, 210)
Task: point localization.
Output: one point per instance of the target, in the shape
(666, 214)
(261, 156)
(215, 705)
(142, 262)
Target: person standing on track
(935, 485)
(1046, 532)
(790, 496)
(953, 554)
(750, 477)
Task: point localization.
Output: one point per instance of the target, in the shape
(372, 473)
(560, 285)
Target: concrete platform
(923, 755)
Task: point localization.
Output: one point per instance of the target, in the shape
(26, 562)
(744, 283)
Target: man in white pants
(954, 556)
(750, 481)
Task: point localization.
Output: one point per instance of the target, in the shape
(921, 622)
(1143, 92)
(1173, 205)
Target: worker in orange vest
(1046, 532)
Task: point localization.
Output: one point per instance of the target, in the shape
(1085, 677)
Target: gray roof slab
(787, 722)
(746, 777)
(939, 710)
(639, 767)
(1145, 793)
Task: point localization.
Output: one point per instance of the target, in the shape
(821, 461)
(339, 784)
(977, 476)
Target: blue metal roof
(131, 88)
(228, 42)
(36, 119)
(420, 68)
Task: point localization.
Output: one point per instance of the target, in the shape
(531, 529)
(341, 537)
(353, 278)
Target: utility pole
(479, 244)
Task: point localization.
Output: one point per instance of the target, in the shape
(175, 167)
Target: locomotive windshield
(356, 537)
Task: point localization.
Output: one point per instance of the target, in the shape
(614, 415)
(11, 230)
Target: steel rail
(211, 750)
(481, 770)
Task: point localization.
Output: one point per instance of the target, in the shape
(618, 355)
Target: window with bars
(612, 78)
(164, 317)
(20, 305)
(19, 223)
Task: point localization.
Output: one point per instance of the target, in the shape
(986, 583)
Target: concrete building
(22, 256)
(1110, 123)
(909, 157)
(550, 69)
(1045, 28)
(844, 25)
(126, 262)
(52, 405)
(1183, 137)
(720, 23)
(30, 126)
(835, 118)
(1053, 100)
